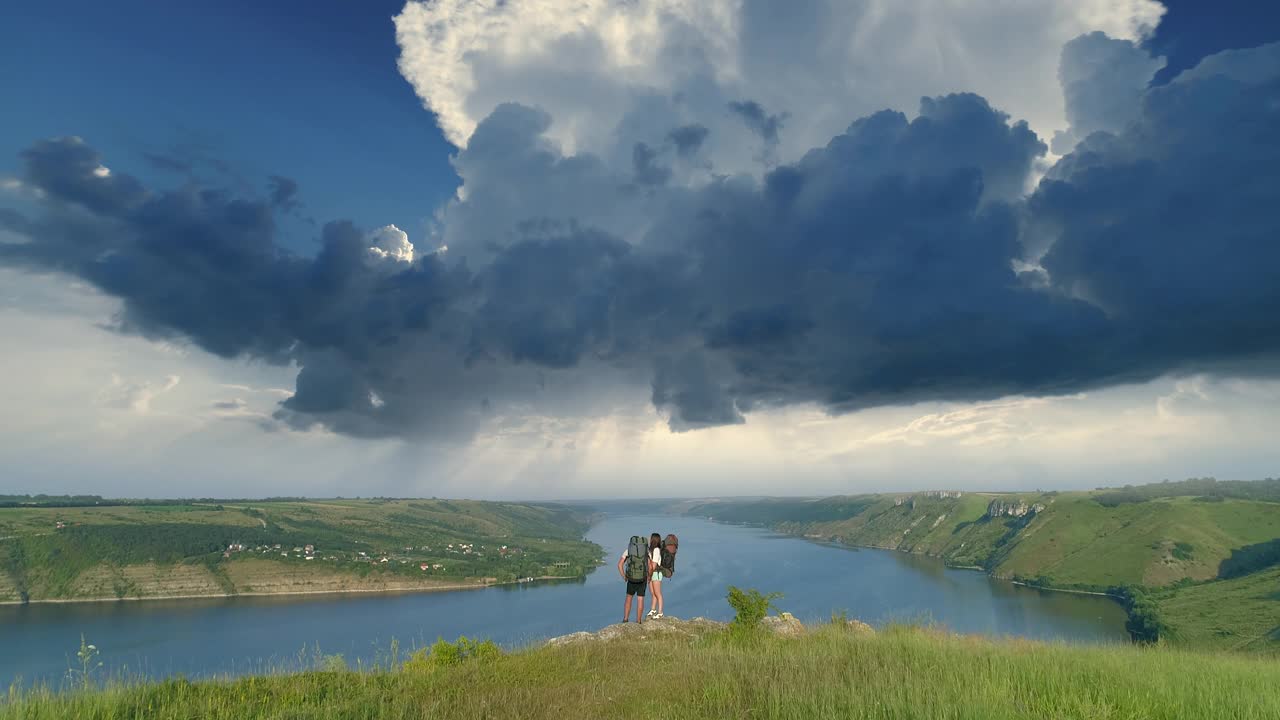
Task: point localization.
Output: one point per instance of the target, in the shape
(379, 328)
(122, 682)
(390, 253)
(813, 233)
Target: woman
(655, 575)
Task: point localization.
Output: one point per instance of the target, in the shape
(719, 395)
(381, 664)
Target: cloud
(1103, 80)
(1168, 225)
(615, 73)
(688, 138)
(283, 192)
(873, 267)
(136, 395)
(390, 243)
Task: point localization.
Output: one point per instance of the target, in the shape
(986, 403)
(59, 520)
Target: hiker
(635, 567)
(655, 575)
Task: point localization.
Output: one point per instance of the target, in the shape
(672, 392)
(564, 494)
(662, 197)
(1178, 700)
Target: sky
(546, 249)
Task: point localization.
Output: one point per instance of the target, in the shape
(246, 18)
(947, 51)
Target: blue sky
(306, 90)
(552, 249)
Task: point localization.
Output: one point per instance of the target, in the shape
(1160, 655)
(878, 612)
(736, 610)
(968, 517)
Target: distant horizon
(637, 499)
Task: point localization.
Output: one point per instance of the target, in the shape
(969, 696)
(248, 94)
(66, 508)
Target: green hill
(134, 549)
(832, 671)
(1171, 538)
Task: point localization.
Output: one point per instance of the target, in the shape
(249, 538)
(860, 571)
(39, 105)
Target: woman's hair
(655, 541)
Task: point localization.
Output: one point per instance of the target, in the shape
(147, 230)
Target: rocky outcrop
(785, 625)
(661, 627)
(1010, 508)
(930, 494)
(859, 627)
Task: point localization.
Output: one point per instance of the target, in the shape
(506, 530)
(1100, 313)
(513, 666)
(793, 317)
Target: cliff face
(1012, 508)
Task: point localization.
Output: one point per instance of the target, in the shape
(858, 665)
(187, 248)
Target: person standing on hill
(635, 566)
(655, 575)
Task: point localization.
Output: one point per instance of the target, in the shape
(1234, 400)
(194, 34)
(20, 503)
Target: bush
(750, 606)
(1183, 550)
(1144, 623)
(332, 663)
(448, 654)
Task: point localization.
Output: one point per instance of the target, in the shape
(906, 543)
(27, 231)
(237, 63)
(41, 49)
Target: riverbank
(286, 593)
(830, 670)
(1144, 548)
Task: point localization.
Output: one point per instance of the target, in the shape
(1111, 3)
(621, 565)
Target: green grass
(829, 673)
(1237, 614)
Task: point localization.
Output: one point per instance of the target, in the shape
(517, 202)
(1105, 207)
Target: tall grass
(831, 672)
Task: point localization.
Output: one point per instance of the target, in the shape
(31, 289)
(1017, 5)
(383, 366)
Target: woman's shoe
(655, 617)
(651, 613)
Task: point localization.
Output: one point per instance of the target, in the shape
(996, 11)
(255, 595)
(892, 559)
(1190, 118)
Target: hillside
(174, 549)
(677, 671)
(1171, 538)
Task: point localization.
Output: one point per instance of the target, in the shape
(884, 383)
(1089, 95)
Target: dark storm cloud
(879, 269)
(688, 139)
(14, 221)
(693, 394)
(283, 192)
(762, 123)
(71, 171)
(647, 170)
(1171, 226)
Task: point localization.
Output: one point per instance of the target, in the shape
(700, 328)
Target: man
(641, 567)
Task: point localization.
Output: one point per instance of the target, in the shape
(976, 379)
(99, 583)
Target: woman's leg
(657, 594)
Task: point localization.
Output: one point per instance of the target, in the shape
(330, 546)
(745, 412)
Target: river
(226, 636)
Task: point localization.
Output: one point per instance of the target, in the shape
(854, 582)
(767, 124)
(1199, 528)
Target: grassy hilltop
(832, 671)
(1201, 556)
(62, 549)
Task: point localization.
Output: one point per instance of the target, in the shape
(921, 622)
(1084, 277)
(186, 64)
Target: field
(830, 672)
(1236, 614)
(1181, 542)
(179, 549)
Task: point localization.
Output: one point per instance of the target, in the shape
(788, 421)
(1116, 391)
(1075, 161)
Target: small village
(426, 558)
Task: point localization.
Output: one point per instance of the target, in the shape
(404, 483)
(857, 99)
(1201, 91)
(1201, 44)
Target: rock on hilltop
(784, 624)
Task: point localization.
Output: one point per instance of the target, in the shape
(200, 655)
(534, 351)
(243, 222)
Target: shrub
(332, 663)
(443, 653)
(1144, 623)
(750, 606)
(1183, 550)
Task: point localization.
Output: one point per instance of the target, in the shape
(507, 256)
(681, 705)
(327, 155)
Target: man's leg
(626, 608)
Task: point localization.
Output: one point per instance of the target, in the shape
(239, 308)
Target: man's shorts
(636, 588)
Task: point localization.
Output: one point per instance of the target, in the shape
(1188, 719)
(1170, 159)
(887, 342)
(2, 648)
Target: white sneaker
(651, 613)
(655, 617)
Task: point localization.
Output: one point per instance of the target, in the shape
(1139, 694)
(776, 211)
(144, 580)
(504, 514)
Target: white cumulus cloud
(390, 243)
(612, 74)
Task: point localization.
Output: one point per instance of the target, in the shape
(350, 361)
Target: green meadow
(150, 549)
(828, 672)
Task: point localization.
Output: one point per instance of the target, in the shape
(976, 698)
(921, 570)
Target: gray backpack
(637, 566)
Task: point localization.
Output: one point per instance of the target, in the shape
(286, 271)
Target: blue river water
(229, 636)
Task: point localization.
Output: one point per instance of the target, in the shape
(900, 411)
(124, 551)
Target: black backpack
(637, 566)
(669, 548)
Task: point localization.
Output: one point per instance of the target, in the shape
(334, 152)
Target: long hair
(655, 542)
